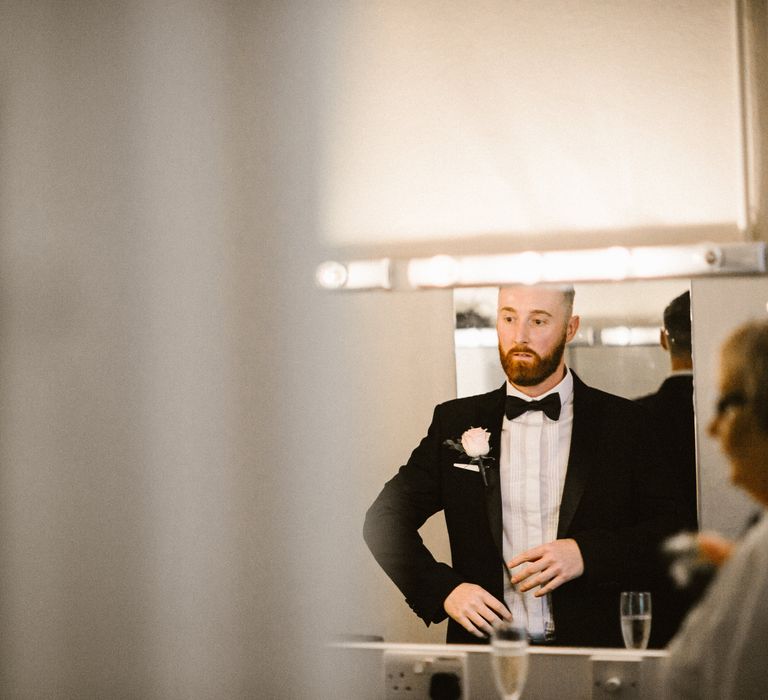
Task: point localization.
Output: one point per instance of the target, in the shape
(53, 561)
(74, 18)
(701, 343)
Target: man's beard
(534, 371)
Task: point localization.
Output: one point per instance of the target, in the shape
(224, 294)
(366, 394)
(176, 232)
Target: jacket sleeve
(392, 523)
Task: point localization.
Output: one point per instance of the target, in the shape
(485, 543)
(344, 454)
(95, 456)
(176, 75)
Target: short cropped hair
(677, 323)
(567, 290)
(569, 294)
(747, 348)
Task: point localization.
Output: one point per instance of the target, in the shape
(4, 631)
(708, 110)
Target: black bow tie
(549, 404)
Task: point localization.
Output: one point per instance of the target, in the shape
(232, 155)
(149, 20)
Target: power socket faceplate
(612, 677)
(409, 674)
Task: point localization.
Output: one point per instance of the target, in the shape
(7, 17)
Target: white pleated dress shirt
(534, 459)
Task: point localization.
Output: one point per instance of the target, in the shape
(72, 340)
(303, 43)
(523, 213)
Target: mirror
(617, 349)
(637, 305)
(412, 377)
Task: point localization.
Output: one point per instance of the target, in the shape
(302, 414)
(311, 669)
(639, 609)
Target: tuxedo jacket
(672, 410)
(614, 505)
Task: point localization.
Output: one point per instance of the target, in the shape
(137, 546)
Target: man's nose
(521, 335)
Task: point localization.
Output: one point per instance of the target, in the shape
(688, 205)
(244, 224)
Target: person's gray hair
(749, 343)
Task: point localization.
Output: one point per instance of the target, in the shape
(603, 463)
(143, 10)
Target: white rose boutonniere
(475, 443)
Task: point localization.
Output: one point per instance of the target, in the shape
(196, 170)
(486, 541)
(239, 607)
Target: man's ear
(571, 328)
(663, 339)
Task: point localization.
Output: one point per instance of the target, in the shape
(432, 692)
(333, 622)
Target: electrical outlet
(612, 676)
(410, 674)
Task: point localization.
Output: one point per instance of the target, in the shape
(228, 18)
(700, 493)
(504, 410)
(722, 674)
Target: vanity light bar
(588, 265)
(630, 335)
(355, 274)
(595, 265)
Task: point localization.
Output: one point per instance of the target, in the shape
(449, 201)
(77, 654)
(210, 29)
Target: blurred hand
(550, 566)
(475, 609)
(715, 548)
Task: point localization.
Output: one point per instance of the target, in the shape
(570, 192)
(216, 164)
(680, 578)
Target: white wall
(531, 118)
(391, 362)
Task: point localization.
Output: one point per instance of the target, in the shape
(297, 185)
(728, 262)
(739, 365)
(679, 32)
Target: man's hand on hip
(550, 566)
(475, 609)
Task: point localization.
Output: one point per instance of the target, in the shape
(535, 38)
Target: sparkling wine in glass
(635, 619)
(509, 648)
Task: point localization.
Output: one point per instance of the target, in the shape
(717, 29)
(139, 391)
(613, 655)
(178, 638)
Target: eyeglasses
(732, 399)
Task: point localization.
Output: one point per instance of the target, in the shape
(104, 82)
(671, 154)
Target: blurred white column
(146, 249)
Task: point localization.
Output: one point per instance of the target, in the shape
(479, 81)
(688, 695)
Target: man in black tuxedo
(672, 410)
(672, 405)
(567, 506)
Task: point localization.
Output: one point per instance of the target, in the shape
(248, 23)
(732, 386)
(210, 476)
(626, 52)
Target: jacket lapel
(490, 414)
(584, 437)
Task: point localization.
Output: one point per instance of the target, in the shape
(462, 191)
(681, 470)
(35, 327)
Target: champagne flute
(635, 619)
(509, 649)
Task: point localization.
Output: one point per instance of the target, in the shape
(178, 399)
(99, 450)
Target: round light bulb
(331, 275)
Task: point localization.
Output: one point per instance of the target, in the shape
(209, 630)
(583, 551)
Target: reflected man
(567, 503)
(672, 405)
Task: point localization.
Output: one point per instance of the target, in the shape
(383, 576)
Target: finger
(497, 607)
(528, 555)
(498, 611)
(520, 576)
(519, 559)
(551, 586)
(481, 623)
(501, 611)
(467, 622)
(531, 570)
(539, 580)
(473, 630)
